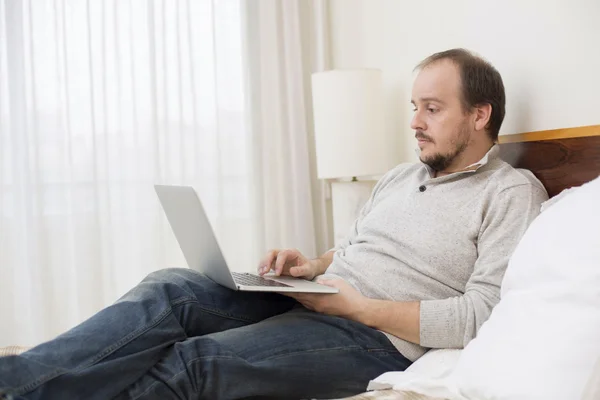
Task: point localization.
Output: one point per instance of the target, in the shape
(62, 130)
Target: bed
(560, 159)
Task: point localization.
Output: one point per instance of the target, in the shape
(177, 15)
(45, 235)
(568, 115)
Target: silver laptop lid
(194, 232)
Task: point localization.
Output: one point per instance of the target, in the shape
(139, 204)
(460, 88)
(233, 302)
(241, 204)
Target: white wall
(548, 53)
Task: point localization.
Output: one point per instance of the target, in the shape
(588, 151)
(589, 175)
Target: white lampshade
(350, 134)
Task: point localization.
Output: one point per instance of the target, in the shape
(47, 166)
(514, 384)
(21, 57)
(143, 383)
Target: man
(420, 269)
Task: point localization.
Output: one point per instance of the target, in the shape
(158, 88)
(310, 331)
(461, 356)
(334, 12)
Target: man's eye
(432, 110)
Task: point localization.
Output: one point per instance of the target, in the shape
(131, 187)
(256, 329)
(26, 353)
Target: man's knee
(184, 278)
(168, 275)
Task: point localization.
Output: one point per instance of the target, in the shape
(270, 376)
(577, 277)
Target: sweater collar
(492, 154)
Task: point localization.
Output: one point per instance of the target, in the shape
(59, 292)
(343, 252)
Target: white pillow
(592, 388)
(545, 205)
(436, 363)
(543, 338)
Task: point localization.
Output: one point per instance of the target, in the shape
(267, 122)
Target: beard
(439, 161)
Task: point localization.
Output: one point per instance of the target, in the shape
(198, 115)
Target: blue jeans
(179, 335)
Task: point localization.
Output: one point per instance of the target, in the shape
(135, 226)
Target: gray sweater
(442, 241)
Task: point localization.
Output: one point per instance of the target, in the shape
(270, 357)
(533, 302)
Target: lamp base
(347, 199)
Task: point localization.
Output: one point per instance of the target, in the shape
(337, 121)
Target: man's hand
(400, 318)
(290, 262)
(348, 303)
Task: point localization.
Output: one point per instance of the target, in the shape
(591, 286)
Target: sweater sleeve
(453, 322)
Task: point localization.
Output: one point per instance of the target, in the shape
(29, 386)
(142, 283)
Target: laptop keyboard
(247, 279)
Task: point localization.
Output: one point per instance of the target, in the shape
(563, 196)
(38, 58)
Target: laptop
(202, 253)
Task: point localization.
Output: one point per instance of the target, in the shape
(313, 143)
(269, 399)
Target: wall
(547, 52)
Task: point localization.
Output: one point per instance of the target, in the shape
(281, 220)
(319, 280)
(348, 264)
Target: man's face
(442, 127)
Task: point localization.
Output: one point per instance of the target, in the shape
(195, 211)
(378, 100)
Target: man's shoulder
(504, 176)
(512, 194)
(515, 188)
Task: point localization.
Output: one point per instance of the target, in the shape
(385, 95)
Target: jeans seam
(220, 313)
(382, 350)
(344, 348)
(106, 352)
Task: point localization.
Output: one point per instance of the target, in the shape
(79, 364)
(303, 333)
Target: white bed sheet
(425, 377)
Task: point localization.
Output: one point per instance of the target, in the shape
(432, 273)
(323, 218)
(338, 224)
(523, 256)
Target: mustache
(422, 136)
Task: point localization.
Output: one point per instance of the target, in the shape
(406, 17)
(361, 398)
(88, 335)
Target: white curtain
(285, 44)
(99, 100)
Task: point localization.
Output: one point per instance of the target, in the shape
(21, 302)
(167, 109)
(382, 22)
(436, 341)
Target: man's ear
(483, 113)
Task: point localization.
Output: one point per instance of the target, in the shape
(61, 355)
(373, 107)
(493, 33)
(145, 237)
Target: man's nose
(417, 122)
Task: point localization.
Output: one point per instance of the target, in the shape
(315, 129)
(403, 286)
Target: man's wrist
(399, 318)
(320, 266)
(365, 312)
(319, 269)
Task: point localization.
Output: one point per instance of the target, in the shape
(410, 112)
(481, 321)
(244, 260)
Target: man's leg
(299, 354)
(112, 349)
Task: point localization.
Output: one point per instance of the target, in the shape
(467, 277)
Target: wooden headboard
(560, 158)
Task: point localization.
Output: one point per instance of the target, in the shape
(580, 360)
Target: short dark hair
(481, 84)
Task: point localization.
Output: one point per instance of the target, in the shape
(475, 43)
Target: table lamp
(351, 139)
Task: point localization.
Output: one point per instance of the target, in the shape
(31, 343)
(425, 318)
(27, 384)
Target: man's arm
(451, 322)
(399, 318)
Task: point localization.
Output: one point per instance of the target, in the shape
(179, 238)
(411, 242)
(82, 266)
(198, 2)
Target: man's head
(459, 107)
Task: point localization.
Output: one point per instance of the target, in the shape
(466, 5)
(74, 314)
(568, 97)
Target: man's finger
(327, 282)
(267, 262)
(282, 257)
(301, 297)
(306, 297)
